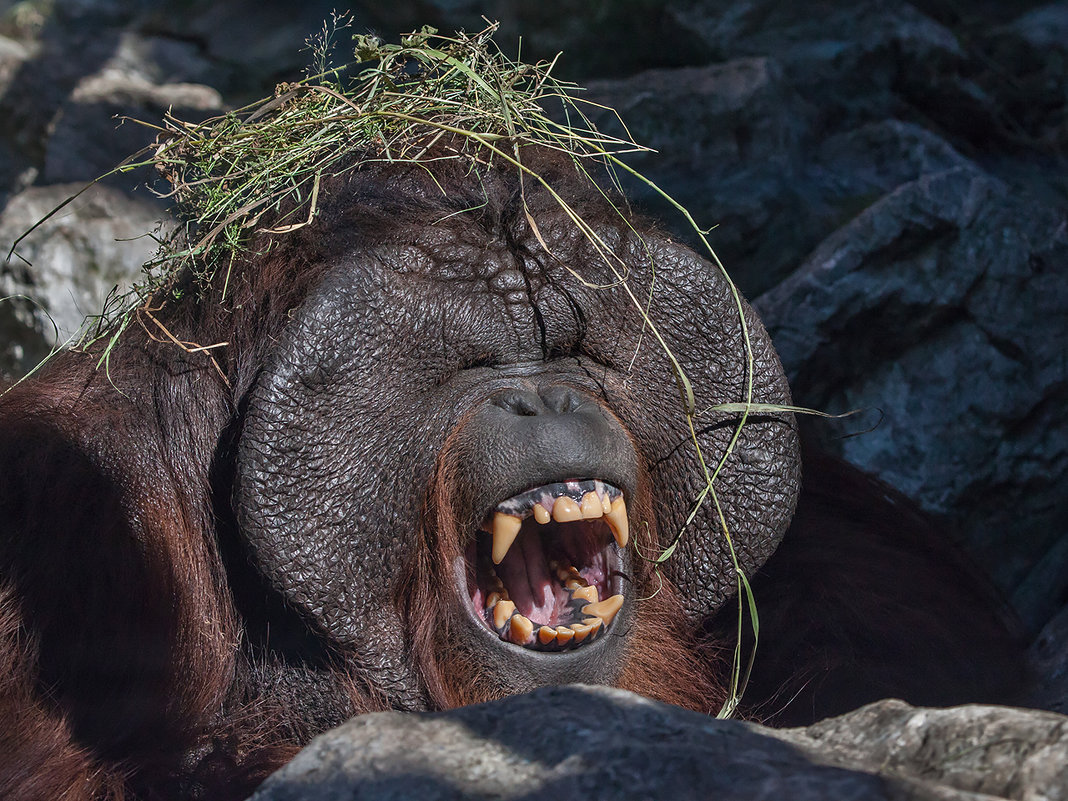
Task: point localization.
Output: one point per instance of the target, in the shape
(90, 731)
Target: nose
(552, 399)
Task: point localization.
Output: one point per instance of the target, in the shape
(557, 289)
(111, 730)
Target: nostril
(562, 400)
(518, 401)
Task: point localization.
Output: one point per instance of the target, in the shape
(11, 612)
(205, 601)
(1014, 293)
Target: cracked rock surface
(588, 743)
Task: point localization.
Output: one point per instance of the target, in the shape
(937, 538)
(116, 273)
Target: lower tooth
(546, 635)
(520, 629)
(501, 612)
(492, 599)
(564, 634)
(606, 610)
(594, 623)
(582, 631)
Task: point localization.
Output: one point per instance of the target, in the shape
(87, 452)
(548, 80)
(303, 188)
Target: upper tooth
(591, 506)
(617, 521)
(541, 514)
(606, 504)
(566, 510)
(505, 530)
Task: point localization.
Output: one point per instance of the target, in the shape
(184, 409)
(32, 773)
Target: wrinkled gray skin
(465, 327)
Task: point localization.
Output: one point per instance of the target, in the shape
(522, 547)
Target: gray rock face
(588, 743)
(67, 266)
(949, 315)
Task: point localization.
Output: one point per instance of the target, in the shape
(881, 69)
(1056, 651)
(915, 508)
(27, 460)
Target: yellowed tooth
(564, 635)
(574, 582)
(546, 635)
(492, 599)
(617, 521)
(501, 612)
(505, 530)
(566, 510)
(591, 506)
(606, 504)
(520, 629)
(594, 623)
(582, 631)
(587, 594)
(541, 514)
(606, 609)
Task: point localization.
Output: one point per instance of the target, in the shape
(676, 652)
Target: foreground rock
(589, 743)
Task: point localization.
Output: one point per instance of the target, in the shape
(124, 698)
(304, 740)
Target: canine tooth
(591, 506)
(566, 510)
(606, 503)
(606, 609)
(520, 628)
(582, 631)
(564, 635)
(505, 530)
(541, 514)
(617, 521)
(501, 612)
(587, 594)
(546, 635)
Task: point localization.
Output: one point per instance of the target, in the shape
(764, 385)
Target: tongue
(531, 586)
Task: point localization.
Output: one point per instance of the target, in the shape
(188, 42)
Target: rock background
(888, 181)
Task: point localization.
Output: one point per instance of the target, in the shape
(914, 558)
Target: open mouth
(544, 573)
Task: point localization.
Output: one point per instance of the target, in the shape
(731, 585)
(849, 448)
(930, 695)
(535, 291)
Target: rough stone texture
(944, 305)
(68, 265)
(1049, 664)
(142, 80)
(588, 743)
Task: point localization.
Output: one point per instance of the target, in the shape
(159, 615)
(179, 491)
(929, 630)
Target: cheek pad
(328, 471)
(758, 486)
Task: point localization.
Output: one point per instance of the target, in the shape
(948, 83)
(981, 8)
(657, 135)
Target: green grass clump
(228, 172)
